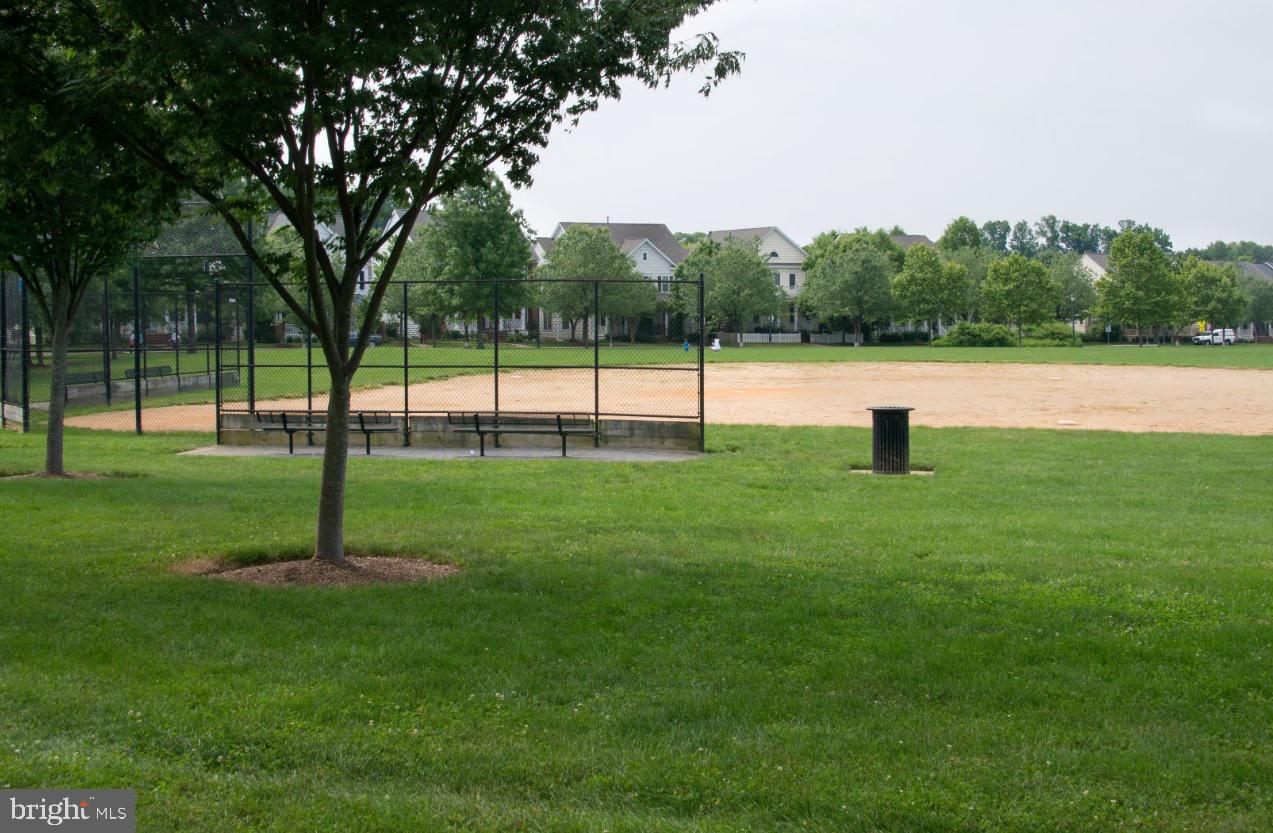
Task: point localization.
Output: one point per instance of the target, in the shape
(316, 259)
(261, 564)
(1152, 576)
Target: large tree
(930, 289)
(580, 257)
(1075, 292)
(343, 109)
(738, 286)
(831, 242)
(72, 209)
(853, 285)
(1213, 293)
(962, 233)
(1140, 288)
(995, 233)
(1018, 291)
(478, 240)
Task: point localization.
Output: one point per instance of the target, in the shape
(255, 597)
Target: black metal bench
(85, 378)
(307, 422)
(481, 424)
(377, 422)
(147, 372)
(292, 422)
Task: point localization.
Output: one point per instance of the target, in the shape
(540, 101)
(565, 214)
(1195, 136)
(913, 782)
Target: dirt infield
(1117, 398)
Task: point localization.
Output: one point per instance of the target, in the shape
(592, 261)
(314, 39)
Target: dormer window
(645, 255)
(773, 255)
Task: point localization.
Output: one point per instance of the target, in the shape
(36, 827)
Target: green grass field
(1057, 631)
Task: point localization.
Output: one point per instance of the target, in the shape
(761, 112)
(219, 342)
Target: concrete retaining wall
(435, 432)
(150, 386)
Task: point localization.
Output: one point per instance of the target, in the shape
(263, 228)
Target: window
(791, 280)
(791, 311)
(774, 255)
(645, 255)
(664, 282)
(777, 279)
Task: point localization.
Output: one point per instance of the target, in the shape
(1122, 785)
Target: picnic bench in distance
(307, 422)
(495, 424)
(85, 378)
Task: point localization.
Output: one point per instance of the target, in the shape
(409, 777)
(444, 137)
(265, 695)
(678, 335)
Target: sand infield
(1117, 398)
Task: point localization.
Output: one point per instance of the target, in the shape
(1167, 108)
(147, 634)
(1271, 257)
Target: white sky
(876, 112)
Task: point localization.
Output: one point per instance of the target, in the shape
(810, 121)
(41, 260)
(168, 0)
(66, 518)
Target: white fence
(831, 338)
(771, 338)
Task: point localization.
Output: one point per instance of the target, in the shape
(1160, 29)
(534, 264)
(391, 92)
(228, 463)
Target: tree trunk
(857, 333)
(53, 441)
(635, 322)
(585, 328)
(331, 497)
(481, 322)
(1019, 336)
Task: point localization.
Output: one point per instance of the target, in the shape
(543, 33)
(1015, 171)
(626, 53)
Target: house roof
(659, 235)
(1099, 259)
(1262, 271)
(905, 241)
(757, 233)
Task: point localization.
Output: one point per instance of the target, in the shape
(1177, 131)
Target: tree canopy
(1213, 293)
(584, 254)
(1018, 291)
(853, 285)
(1140, 287)
(738, 283)
(930, 289)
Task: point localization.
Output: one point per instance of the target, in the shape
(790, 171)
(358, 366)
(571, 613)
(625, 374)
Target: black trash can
(890, 439)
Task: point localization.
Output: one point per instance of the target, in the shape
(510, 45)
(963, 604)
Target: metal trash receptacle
(890, 439)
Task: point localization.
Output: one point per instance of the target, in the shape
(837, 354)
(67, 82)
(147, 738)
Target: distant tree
(1075, 291)
(1023, 241)
(1161, 238)
(853, 284)
(581, 255)
(975, 263)
(1105, 236)
(831, 242)
(72, 209)
(1261, 302)
(896, 231)
(1214, 293)
(690, 239)
(1244, 250)
(738, 284)
(1140, 287)
(962, 233)
(475, 236)
(1047, 232)
(929, 289)
(1079, 237)
(1018, 291)
(995, 233)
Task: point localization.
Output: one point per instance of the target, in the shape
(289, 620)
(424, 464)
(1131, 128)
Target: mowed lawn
(1057, 631)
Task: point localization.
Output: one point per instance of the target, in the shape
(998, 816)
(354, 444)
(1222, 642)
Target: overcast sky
(911, 112)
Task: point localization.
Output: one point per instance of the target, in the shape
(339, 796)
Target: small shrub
(966, 334)
(1051, 333)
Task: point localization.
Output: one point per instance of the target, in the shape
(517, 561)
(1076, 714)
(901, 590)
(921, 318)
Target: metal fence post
(596, 364)
(216, 325)
(702, 337)
(4, 348)
(251, 330)
(25, 318)
(139, 338)
(106, 338)
(495, 338)
(406, 370)
(309, 354)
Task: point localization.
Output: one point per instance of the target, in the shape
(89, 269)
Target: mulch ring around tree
(309, 572)
(70, 475)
